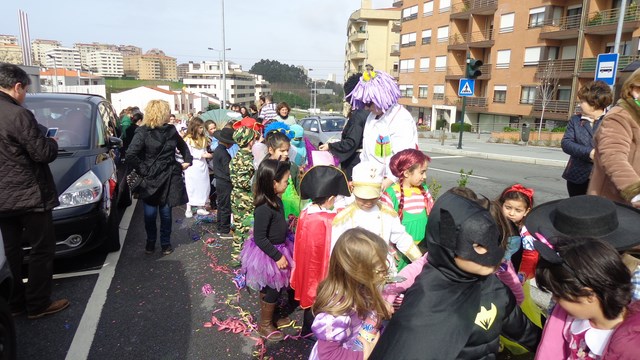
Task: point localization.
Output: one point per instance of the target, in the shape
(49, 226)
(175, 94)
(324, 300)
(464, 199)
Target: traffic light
(473, 68)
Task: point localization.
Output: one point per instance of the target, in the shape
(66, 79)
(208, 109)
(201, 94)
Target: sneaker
(202, 212)
(226, 236)
(189, 213)
(167, 250)
(55, 307)
(149, 248)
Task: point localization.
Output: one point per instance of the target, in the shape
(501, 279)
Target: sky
(295, 32)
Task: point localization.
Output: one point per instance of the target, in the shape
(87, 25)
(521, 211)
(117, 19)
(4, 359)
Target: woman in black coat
(152, 154)
(578, 138)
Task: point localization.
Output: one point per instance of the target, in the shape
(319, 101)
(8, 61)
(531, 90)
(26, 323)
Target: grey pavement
(479, 147)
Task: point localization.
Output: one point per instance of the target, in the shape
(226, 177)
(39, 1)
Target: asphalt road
(129, 305)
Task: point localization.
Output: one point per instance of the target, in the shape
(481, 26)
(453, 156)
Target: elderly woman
(152, 154)
(616, 164)
(282, 110)
(578, 139)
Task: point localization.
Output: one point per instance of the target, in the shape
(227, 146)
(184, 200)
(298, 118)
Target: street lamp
(314, 91)
(224, 74)
(55, 68)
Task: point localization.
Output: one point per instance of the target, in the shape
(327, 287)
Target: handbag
(134, 179)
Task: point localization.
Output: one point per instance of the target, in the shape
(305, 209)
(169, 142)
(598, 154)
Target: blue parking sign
(606, 68)
(466, 87)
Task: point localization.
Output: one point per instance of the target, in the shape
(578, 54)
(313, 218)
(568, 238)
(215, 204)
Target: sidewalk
(475, 147)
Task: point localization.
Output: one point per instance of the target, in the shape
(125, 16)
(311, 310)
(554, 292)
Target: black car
(85, 170)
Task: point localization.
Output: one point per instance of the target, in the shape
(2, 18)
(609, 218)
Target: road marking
(76, 274)
(457, 173)
(447, 157)
(83, 338)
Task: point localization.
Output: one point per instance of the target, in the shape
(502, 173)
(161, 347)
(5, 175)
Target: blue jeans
(150, 215)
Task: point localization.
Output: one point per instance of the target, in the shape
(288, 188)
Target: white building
(106, 63)
(331, 77)
(206, 77)
(64, 58)
(74, 81)
(39, 48)
(8, 40)
(262, 86)
(180, 101)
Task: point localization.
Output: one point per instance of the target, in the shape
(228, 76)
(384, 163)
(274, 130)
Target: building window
(528, 95)
(536, 17)
(424, 64)
(532, 56)
(423, 91)
(406, 90)
(441, 63)
(407, 65)
(410, 13)
(503, 59)
(506, 22)
(426, 37)
(407, 40)
(427, 9)
(500, 94)
(443, 34)
(438, 92)
(445, 5)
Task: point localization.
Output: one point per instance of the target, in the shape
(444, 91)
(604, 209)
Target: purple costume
(336, 336)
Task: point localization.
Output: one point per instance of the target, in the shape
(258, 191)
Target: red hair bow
(523, 190)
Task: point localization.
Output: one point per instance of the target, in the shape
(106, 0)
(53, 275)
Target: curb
(492, 156)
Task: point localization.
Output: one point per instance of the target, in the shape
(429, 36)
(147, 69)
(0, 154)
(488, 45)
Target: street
(129, 305)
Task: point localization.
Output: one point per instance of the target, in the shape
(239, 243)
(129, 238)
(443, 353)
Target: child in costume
(242, 171)
(410, 196)
(389, 128)
(349, 305)
(266, 257)
(298, 145)
(368, 212)
(220, 164)
(312, 246)
(575, 217)
(196, 177)
(591, 283)
(457, 308)
(278, 142)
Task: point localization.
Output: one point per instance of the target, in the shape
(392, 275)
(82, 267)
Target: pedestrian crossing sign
(466, 87)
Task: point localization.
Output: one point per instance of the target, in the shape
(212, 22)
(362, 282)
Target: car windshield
(332, 124)
(71, 118)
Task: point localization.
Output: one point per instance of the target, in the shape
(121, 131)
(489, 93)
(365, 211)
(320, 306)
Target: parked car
(85, 170)
(323, 129)
(7, 326)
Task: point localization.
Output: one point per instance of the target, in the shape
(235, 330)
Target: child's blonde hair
(357, 271)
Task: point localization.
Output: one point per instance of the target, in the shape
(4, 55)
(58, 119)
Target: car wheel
(112, 241)
(7, 332)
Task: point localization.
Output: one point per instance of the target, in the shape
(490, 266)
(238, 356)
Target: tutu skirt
(260, 270)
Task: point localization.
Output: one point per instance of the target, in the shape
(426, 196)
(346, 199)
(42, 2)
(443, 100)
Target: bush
(441, 124)
(559, 129)
(455, 127)
(509, 129)
(423, 128)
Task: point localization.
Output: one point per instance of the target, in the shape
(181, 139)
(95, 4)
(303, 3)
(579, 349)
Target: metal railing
(480, 102)
(473, 5)
(609, 17)
(589, 64)
(553, 106)
(474, 37)
(560, 65)
(561, 24)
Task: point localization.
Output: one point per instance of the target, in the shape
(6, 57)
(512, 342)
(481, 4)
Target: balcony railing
(358, 35)
(396, 27)
(562, 24)
(358, 54)
(397, 4)
(553, 106)
(474, 37)
(588, 65)
(477, 102)
(561, 68)
(609, 17)
(395, 50)
(474, 7)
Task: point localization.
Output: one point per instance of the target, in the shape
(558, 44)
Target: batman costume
(449, 313)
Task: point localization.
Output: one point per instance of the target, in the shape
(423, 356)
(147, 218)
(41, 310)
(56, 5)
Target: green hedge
(509, 129)
(441, 124)
(455, 127)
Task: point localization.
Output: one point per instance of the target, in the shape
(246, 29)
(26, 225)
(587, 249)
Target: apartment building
(371, 39)
(106, 63)
(10, 51)
(64, 58)
(153, 65)
(8, 40)
(522, 44)
(39, 48)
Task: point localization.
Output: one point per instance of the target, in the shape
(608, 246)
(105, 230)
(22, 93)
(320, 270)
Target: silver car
(323, 129)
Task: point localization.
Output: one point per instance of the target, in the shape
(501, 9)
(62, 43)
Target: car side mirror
(114, 142)
(313, 129)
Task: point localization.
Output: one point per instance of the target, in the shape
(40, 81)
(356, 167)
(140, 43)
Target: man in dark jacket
(27, 197)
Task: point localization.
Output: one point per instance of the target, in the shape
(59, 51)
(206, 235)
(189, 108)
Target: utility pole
(616, 45)
(471, 71)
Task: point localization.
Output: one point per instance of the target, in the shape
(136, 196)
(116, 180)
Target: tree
(275, 72)
(547, 89)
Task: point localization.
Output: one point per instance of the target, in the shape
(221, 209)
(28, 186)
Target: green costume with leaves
(242, 170)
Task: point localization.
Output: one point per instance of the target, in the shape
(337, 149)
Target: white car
(323, 129)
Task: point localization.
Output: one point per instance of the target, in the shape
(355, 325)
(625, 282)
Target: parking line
(457, 173)
(76, 274)
(83, 338)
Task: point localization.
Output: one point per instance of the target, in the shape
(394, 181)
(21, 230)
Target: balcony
(457, 72)
(463, 9)
(357, 54)
(562, 28)
(473, 103)
(606, 22)
(397, 4)
(555, 109)
(561, 69)
(396, 27)
(358, 36)
(476, 39)
(588, 65)
(395, 50)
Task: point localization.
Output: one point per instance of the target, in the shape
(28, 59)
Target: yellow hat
(367, 180)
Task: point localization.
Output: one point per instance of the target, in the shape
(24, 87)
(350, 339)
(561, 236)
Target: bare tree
(547, 89)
